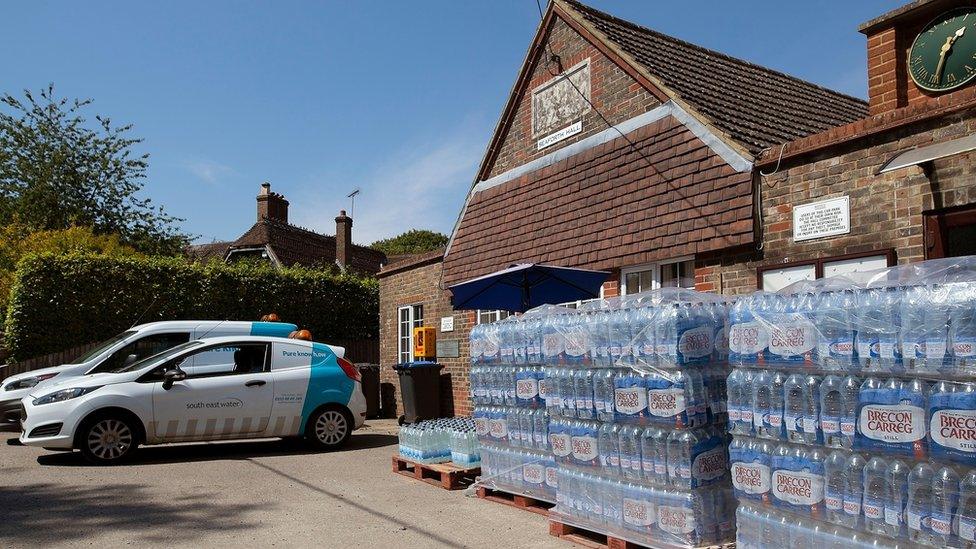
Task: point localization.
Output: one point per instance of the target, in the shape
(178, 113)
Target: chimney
(271, 205)
(343, 239)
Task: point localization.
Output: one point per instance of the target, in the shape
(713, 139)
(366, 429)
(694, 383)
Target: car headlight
(28, 382)
(64, 394)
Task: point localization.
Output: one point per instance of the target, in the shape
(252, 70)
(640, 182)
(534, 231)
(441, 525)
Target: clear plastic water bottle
(945, 499)
(650, 450)
(831, 410)
(740, 387)
(918, 511)
(553, 343)
(768, 404)
(896, 500)
(748, 331)
(567, 391)
(962, 330)
(875, 491)
(801, 413)
(868, 320)
(837, 330)
(854, 490)
(680, 444)
(642, 332)
(609, 447)
(967, 509)
(912, 329)
(583, 385)
(630, 452)
(889, 355)
(533, 343)
(575, 340)
(936, 329)
(551, 389)
(598, 328)
(586, 445)
(835, 481)
(603, 393)
(540, 430)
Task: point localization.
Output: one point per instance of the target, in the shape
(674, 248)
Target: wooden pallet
(444, 475)
(598, 540)
(526, 503)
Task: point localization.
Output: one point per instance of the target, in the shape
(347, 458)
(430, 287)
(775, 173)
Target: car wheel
(329, 428)
(108, 440)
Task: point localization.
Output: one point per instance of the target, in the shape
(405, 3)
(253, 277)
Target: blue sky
(396, 98)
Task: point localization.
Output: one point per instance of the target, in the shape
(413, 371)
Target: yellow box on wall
(424, 343)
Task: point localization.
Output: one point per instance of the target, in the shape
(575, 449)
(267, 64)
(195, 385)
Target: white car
(123, 350)
(265, 387)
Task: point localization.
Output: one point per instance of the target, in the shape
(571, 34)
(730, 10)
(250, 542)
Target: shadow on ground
(41, 514)
(213, 451)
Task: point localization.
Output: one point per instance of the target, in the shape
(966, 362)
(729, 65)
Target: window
(409, 317)
(679, 273)
(140, 349)
(487, 317)
(773, 278)
(234, 359)
(950, 232)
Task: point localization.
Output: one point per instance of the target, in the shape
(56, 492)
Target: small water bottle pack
(626, 399)
(440, 441)
(853, 402)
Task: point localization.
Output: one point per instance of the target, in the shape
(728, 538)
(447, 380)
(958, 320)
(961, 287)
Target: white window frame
(496, 313)
(821, 264)
(413, 322)
(655, 269)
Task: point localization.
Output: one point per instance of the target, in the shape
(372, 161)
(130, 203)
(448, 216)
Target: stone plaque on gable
(557, 103)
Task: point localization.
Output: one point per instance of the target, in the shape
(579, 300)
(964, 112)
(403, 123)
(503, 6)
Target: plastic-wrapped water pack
(626, 400)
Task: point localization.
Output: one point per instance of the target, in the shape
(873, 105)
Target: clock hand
(950, 40)
(942, 56)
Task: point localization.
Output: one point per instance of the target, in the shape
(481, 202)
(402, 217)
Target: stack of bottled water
(440, 441)
(509, 390)
(624, 400)
(853, 403)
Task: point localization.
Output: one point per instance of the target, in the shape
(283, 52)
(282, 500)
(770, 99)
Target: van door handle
(255, 383)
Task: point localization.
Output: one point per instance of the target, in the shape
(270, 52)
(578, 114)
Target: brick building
(272, 238)
(668, 164)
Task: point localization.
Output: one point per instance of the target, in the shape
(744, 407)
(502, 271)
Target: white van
(271, 387)
(127, 348)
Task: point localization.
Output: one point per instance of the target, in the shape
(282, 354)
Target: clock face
(943, 56)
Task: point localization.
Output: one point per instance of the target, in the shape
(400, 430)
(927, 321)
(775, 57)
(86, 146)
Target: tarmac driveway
(268, 492)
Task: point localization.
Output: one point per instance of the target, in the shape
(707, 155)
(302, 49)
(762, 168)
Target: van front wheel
(329, 428)
(107, 440)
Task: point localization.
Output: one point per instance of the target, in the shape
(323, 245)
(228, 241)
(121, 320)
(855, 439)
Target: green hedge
(61, 301)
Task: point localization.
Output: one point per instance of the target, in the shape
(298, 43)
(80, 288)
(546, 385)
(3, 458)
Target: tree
(414, 241)
(58, 171)
(18, 241)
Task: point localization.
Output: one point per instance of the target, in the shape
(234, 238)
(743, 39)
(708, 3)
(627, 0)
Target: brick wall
(613, 92)
(420, 286)
(886, 209)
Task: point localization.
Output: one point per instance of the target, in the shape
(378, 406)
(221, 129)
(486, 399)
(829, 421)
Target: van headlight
(64, 394)
(28, 382)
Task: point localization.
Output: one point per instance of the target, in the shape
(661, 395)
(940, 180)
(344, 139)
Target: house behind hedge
(272, 238)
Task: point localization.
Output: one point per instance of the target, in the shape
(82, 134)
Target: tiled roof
(408, 261)
(206, 252)
(292, 246)
(608, 207)
(755, 106)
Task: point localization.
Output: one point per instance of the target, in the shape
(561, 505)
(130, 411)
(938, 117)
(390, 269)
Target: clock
(943, 56)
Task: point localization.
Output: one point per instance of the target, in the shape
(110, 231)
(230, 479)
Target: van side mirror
(171, 376)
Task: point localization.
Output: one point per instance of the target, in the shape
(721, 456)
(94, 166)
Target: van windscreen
(101, 347)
